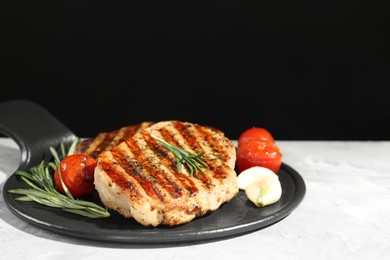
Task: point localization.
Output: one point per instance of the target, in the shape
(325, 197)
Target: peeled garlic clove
(250, 175)
(264, 191)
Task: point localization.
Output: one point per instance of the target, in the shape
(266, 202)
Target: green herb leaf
(193, 162)
(43, 191)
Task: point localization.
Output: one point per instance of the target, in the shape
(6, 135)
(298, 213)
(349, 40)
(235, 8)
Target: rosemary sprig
(43, 191)
(194, 162)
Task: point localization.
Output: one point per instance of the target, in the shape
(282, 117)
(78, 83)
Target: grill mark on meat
(215, 165)
(160, 180)
(107, 140)
(160, 152)
(134, 169)
(84, 145)
(123, 134)
(176, 134)
(188, 136)
(129, 132)
(144, 156)
(126, 133)
(214, 145)
(119, 178)
(170, 176)
(103, 140)
(219, 172)
(167, 160)
(167, 136)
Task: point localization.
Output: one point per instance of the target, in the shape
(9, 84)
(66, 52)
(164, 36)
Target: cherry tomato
(77, 172)
(258, 153)
(256, 133)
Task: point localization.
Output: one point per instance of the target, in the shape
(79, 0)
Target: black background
(305, 70)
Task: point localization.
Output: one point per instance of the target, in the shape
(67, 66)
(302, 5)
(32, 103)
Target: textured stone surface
(345, 214)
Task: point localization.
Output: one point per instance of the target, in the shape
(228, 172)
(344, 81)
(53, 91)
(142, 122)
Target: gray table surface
(345, 214)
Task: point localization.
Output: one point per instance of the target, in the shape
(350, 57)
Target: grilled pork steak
(107, 140)
(139, 177)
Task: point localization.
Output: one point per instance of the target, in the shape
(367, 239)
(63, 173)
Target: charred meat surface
(107, 140)
(139, 177)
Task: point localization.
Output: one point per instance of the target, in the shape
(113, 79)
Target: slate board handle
(34, 129)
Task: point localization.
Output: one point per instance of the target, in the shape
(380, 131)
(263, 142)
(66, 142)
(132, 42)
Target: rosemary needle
(194, 162)
(43, 191)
